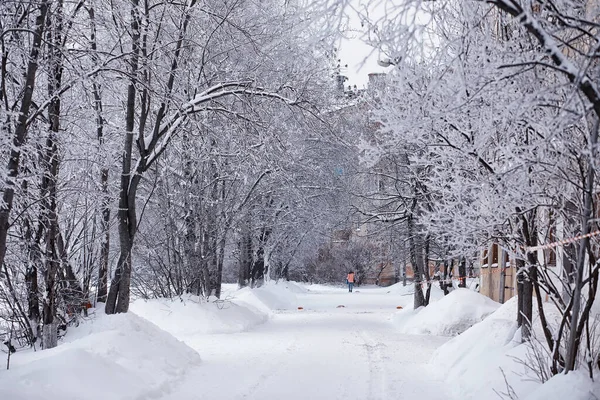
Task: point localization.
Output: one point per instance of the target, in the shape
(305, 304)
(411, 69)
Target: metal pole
(502, 275)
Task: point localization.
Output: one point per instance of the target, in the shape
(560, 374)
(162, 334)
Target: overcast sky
(360, 57)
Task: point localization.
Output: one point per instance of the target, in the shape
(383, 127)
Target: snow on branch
(564, 65)
(384, 216)
(156, 144)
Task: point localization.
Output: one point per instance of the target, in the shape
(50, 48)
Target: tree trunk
(34, 259)
(118, 296)
(520, 290)
(192, 248)
(416, 259)
(259, 265)
(74, 294)
(226, 225)
(18, 310)
(443, 283)
(529, 233)
(527, 304)
(114, 296)
(52, 260)
(426, 270)
(50, 177)
(220, 260)
(105, 243)
(205, 258)
(246, 255)
(572, 345)
(462, 272)
(20, 135)
(105, 222)
(33, 303)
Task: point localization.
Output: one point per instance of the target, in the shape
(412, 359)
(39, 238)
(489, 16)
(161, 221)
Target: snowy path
(321, 352)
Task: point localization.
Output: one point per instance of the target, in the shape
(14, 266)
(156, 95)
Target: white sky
(360, 57)
(361, 61)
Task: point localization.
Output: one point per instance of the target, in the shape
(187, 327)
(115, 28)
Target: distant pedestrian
(350, 281)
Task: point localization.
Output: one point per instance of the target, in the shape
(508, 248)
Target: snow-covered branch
(575, 74)
(156, 144)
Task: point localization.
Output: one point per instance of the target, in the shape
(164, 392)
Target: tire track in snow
(377, 371)
(270, 371)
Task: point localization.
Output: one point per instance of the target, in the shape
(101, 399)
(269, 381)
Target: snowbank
(476, 363)
(407, 292)
(189, 315)
(450, 315)
(473, 360)
(573, 386)
(111, 357)
(239, 310)
(136, 355)
(272, 296)
(293, 287)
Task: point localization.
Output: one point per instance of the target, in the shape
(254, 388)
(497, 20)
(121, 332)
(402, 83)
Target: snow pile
(476, 362)
(111, 357)
(239, 310)
(472, 360)
(408, 293)
(190, 315)
(398, 288)
(293, 287)
(573, 386)
(451, 315)
(272, 296)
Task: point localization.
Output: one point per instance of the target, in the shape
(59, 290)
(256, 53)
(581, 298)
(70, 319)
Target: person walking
(350, 281)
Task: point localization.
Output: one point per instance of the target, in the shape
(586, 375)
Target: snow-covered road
(320, 352)
(257, 344)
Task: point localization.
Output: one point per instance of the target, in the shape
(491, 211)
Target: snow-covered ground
(489, 360)
(110, 357)
(288, 341)
(450, 315)
(340, 345)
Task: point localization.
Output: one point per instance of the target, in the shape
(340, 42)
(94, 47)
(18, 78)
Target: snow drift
(238, 311)
(136, 355)
(449, 316)
(190, 315)
(574, 386)
(475, 363)
(111, 357)
(272, 296)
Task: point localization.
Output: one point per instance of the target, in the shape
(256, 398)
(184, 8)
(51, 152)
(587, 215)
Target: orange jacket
(350, 278)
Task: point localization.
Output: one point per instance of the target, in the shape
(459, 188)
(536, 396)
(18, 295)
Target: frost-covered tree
(161, 123)
(497, 103)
